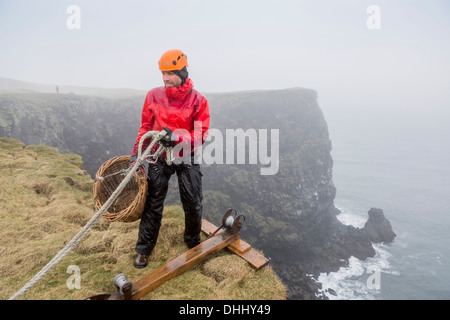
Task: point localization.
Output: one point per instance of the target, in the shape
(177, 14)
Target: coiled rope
(156, 135)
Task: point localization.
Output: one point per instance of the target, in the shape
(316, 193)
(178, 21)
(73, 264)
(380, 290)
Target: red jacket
(175, 108)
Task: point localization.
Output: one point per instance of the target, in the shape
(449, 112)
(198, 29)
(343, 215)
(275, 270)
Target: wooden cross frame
(239, 247)
(223, 239)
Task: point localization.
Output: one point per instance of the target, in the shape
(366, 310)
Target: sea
(398, 160)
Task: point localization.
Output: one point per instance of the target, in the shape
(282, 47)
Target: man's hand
(169, 139)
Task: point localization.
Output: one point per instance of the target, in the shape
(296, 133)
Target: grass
(46, 198)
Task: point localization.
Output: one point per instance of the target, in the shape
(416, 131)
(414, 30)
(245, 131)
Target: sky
(325, 45)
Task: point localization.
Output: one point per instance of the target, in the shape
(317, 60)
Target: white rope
(93, 221)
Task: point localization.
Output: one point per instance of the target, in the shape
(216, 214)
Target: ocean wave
(348, 218)
(358, 280)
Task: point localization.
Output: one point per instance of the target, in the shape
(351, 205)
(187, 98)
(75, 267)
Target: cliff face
(282, 208)
(92, 127)
(290, 214)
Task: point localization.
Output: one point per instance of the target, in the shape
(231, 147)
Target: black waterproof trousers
(190, 187)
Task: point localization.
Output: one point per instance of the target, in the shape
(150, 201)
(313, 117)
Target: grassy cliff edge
(46, 198)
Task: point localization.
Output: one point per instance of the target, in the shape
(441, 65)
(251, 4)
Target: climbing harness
(156, 136)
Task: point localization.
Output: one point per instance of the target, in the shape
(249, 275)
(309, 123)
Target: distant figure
(57, 89)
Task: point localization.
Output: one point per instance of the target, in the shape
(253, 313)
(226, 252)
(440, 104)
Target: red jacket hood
(181, 91)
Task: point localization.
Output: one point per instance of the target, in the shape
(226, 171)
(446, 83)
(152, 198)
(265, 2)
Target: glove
(169, 139)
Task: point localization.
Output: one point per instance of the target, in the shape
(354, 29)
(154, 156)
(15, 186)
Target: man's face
(170, 79)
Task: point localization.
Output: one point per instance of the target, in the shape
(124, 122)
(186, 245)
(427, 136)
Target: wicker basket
(130, 203)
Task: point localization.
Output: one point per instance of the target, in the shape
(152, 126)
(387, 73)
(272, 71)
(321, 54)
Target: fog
(351, 55)
(381, 69)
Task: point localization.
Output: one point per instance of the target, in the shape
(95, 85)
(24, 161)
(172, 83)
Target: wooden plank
(256, 260)
(208, 227)
(188, 259)
(182, 263)
(239, 247)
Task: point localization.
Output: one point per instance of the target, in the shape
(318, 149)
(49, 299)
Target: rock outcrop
(378, 228)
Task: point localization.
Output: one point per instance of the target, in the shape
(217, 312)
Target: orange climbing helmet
(173, 60)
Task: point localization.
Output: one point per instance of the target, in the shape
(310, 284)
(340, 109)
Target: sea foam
(358, 280)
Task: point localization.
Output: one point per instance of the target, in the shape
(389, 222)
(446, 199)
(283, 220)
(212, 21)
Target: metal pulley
(231, 221)
(123, 286)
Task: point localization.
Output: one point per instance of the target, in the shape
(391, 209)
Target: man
(183, 113)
